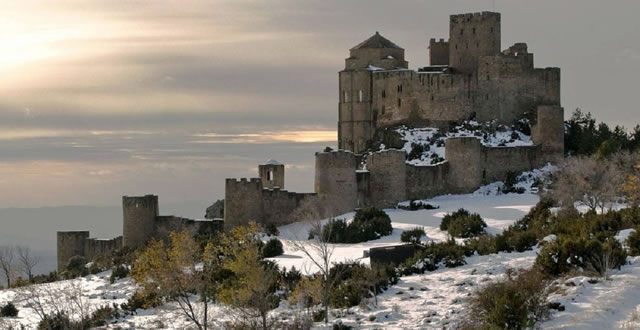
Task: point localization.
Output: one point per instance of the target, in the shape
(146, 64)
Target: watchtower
(139, 215)
(70, 244)
(472, 36)
(356, 122)
(272, 174)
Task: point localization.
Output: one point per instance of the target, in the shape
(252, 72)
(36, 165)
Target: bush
(103, 315)
(463, 224)
(273, 248)
(77, 266)
(567, 253)
(353, 282)
(118, 272)
(340, 326)
(484, 244)
(448, 254)
(412, 236)
(271, 229)
(633, 242)
(57, 321)
(140, 300)
(95, 268)
(417, 205)
(8, 310)
(516, 303)
(368, 224)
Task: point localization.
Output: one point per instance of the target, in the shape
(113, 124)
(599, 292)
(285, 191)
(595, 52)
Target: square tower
(472, 36)
(272, 174)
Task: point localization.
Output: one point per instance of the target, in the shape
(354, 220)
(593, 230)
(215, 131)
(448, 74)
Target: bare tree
(7, 263)
(27, 261)
(589, 181)
(320, 252)
(54, 299)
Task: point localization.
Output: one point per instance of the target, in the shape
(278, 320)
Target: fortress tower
(272, 174)
(356, 123)
(472, 36)
(138, 214)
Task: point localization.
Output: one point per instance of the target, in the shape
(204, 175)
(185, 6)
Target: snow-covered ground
(432, 140)
(431, 300)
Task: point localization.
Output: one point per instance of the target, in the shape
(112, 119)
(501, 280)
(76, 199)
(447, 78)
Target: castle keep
(469, 78)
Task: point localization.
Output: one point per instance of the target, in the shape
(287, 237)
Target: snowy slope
(431, 300)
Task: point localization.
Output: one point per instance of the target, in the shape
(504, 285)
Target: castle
(469, 78)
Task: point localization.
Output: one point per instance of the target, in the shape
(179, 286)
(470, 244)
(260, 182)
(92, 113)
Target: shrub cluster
(368, 224)
(77, 266)
(633, 242)
(567, 253)
(413, 235)
(417, 205)
(99, 318)
(463, 224)
(118, 272)
(515, 303)
(8, 310)
(140, 300)
(510, 184)
(271, 229)
(434, 255)
(272, 248)
(354, 282)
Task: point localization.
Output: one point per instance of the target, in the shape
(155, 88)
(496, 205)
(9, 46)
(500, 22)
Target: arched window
(360, 95)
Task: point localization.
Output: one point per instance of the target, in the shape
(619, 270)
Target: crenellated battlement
(474, 17)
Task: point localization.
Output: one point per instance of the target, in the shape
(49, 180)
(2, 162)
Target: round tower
(336, 180)
(138, 214)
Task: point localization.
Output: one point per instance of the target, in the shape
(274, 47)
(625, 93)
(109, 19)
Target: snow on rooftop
(272, 162)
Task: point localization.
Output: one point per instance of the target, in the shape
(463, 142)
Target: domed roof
(376, 41)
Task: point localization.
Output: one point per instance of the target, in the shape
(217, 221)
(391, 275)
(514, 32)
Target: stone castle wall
(247, 200)
(427, 180)
(141, 224)
(388, 177)
(78, 243)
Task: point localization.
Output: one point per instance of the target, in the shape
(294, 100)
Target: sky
(100, 99)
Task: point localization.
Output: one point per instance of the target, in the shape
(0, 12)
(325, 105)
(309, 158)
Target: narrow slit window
(270, 176)
(399, 102)
(345, 97)
(360, 96)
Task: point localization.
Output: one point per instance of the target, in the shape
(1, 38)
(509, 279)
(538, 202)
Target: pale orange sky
(104, 98)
